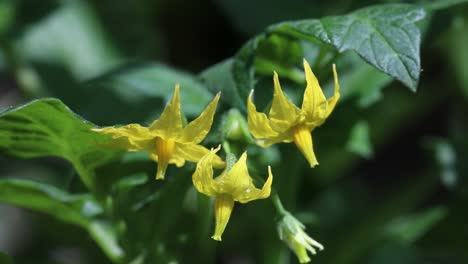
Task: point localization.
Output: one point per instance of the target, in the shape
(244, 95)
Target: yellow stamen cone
(303, 139)
(164, 150)
(223, 207)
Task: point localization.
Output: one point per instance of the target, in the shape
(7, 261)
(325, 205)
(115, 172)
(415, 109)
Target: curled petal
(281, 107)
(195, 153)
(197, 130)
(253, 193)
(132, 137)
(202, 178)
(336, 94)
(169, 124)
(258, 122)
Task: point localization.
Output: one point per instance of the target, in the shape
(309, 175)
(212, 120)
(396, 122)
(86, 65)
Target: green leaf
(46, 127)
(410, 228)
(129, 182)
(5, 259)
(442, 4)
(74, 209)
(445, 160)
(361, 80)
(455, 45)
(386, 36)
(281, 54)
(77, 209)
(7, 15)
(359, 140)
(149, 83)
(234, 76)
(71, 36)
(220, 76)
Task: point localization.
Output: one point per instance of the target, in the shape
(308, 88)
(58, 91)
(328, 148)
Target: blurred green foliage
(391, 186)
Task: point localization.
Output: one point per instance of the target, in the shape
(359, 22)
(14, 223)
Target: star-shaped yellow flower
(166, 140)
(232, 185)
(286, 122)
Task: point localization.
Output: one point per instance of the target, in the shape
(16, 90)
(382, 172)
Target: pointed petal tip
(217, 238)
(217, 96)
(313, 164)
(161, 171)
(243, 157)
(216, 149)
(176, 94)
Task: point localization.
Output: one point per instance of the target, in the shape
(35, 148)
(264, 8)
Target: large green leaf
(70, 36)
(46, 127)
(386, 36)
(77, 209)
(74, 209)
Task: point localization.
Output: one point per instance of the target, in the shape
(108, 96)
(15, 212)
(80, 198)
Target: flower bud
(235, 126)
(291, 231)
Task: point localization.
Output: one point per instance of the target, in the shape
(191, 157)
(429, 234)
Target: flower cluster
(168, 142)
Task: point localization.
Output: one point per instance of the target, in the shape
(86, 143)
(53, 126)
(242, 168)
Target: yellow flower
(166, 140)
(286, 122)
(234, 184)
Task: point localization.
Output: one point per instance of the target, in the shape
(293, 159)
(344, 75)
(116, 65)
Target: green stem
(275, 199)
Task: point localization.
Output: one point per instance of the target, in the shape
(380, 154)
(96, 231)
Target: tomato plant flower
(291, 231)
(233, 185)
(286, 122)
(166, 140)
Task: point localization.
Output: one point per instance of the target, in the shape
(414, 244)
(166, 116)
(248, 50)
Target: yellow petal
(169, 124)
(223, 207)
(202, 178)
(132, 137)
(195, 153)
(259, 125)
(178, 161)
(314, 103)
(281, 108)
(197, 130)
(336, 94)
(285, 137)
(253, 193)
(303, 139)
(236, 178)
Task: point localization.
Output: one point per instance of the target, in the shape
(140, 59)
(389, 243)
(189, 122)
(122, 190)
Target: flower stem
(278, 204)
